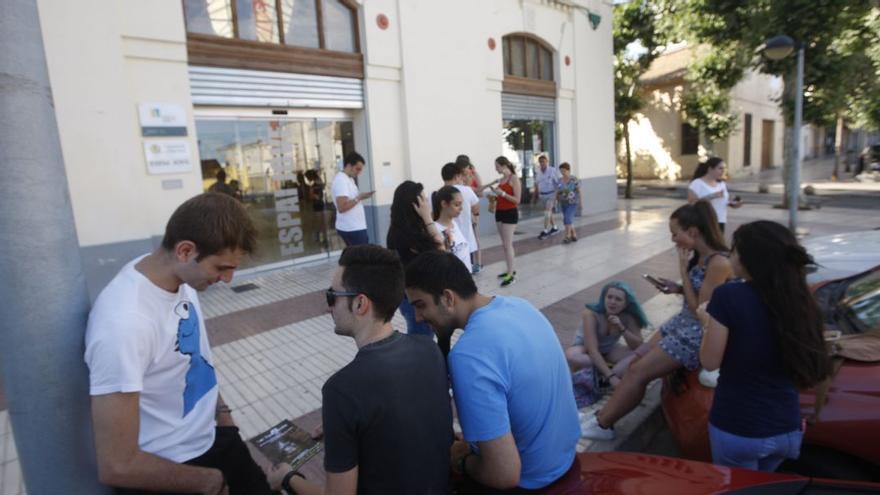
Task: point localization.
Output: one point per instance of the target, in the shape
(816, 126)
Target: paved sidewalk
(275, 346)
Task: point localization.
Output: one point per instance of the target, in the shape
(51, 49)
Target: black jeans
(230, 455)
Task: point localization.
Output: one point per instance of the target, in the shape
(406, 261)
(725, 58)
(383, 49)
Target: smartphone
(656, 282)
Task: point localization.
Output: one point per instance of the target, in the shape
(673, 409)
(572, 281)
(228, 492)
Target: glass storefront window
(300, 23)
(209, 17)
(257, 20)
(281, 171)
(523, 141)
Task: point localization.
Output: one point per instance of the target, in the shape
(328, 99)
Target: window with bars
(322, 24)
(690, 139)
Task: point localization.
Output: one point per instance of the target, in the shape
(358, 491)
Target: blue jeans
(355, 237)
(412, 326)
(764, 454)
(568, 214)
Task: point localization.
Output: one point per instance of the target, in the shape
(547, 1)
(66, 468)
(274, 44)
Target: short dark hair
(565, 166)
(450, 171)
(353, 158)
(377, 273)
(463, 161)
(435, 271)
(213, 222)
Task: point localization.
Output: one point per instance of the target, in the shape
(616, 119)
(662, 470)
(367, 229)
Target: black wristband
(285, 483)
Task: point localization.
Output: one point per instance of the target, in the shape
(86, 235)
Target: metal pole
(795, 185)
(45, 303)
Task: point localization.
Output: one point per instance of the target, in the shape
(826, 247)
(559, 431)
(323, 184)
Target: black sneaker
(543, 235)
(554, 230)
(506, 281)
(502, 275)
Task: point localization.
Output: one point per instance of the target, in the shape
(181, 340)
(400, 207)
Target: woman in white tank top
(707, 185)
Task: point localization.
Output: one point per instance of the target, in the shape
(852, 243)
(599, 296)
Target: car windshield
(860, 303)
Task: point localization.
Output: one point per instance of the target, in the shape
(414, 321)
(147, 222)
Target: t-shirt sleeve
(471, 198)
(695, 187)
(339, 420)
(721, 302)
(480, 392)
(119, 350)
(340, 188)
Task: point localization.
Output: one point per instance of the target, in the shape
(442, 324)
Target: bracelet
(285, 482)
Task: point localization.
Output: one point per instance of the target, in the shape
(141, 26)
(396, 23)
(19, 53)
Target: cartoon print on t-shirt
(200, 377)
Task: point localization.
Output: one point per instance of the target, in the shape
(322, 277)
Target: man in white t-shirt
(351, 220)
(547, 181)
(160, 423)
(453, 175)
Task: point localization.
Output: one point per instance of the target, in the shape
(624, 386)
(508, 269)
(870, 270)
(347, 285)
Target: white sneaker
(593, 431)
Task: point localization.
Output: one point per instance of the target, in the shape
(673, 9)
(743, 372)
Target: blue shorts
(355, 237)
(765, 454)
(568, 214)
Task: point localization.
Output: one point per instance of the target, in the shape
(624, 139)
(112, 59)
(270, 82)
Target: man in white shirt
(547, 181)
(351, 221)
(453, 175)
(160, 423)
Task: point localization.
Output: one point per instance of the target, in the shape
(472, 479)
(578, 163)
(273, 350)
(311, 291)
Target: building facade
(158, 101)
(665, 146)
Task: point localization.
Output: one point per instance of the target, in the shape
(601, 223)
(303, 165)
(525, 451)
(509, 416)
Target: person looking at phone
(351, 221)
(703, 264)
(616, 314)
(708, 184)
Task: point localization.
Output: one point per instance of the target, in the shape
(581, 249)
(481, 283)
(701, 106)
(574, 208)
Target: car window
(861, 303)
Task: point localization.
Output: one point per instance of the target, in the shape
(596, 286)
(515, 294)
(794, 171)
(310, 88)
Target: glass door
(524, 141)
(280, 170)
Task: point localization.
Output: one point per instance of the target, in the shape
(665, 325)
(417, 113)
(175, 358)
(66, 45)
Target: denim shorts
(765, 454)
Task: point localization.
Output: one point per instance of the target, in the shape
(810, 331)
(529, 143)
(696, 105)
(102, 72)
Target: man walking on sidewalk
(547, 182)
(160, 423)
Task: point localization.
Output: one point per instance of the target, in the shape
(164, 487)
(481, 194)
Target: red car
(844, 441)
(619, 473)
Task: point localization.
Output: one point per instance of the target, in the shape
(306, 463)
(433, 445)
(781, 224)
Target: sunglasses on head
(333, 294)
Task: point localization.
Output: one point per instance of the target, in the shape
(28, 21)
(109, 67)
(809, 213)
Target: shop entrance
(281, 170)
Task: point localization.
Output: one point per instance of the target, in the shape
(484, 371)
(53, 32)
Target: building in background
(665, 146)
(155, 99)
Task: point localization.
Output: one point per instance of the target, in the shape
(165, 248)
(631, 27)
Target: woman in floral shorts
(703, 265)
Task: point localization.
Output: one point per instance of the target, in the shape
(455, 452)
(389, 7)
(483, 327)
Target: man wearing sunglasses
(387, 417)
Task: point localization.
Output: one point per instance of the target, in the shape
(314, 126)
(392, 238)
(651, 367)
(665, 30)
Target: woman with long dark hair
(708, 184)
(447, 205)
(703, 264)
(765, 334)
(412, 231)
(509, 193)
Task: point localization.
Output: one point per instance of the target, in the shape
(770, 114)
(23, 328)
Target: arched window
(528, 65)
(311, 36)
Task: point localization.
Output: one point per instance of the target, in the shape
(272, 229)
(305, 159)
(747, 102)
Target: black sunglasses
(333, 294)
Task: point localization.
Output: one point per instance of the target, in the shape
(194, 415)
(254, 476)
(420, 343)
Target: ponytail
(704, 166)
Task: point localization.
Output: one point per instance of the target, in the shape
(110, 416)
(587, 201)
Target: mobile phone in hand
(661, 286)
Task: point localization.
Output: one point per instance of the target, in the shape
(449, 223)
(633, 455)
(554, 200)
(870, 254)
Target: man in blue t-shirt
(510, 381)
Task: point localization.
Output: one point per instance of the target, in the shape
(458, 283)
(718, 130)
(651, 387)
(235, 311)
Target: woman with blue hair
(616, 314)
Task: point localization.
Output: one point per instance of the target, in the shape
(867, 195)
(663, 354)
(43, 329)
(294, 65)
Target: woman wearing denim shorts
(569, 196)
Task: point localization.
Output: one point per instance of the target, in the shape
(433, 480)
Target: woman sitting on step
(616, 314)
(703, 263)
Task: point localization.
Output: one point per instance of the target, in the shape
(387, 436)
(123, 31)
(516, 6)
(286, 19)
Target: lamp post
(777, 48)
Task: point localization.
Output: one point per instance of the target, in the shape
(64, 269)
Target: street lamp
(777, 48)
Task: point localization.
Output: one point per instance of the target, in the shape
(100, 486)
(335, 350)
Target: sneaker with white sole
(593, 431)
(553, 231)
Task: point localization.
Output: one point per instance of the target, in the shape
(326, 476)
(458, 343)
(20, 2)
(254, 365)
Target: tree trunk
(838, 146)
(629, 165)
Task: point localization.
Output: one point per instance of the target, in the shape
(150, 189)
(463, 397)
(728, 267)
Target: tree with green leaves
(638, 40)
(842, 63)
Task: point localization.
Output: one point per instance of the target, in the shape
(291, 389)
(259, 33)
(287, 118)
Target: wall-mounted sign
(167, 156)
(162, 119)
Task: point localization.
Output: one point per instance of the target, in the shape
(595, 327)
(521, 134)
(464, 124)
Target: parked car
(844, 440)
(869, 159)
(620, 473)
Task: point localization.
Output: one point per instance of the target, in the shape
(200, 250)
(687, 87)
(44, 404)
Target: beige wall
(655, 133)
(104, 59)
